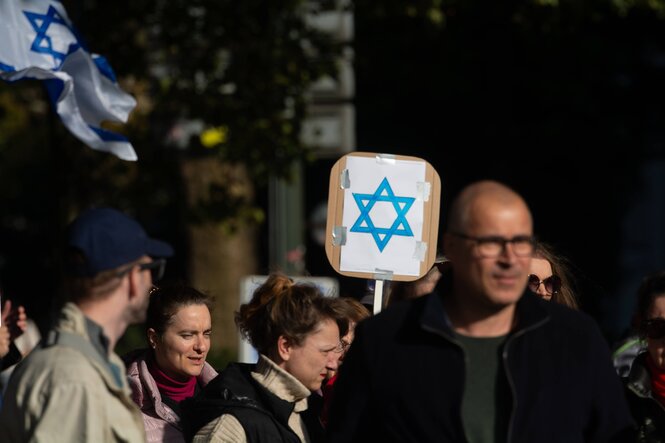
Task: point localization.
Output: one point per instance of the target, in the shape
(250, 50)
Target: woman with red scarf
(645, 384)
(174, 367)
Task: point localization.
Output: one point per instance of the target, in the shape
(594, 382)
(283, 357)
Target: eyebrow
(193, 331)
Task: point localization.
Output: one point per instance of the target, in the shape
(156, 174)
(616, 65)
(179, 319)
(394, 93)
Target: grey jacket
(66, 391)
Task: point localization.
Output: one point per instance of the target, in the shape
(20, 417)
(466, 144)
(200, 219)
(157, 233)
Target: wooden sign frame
(336, 195)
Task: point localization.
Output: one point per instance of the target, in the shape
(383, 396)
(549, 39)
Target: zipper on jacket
(511, 383)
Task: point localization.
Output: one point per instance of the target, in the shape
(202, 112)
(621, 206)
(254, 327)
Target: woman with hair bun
(297, 332)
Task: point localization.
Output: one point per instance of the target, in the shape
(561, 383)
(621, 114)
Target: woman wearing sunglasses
(549, 276)
(645, 384)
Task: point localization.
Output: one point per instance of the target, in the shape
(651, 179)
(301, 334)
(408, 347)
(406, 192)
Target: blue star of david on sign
(364, 224)
(42, 42)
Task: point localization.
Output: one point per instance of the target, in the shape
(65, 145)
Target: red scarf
(657, 380)
(174, 389)
(327, 390)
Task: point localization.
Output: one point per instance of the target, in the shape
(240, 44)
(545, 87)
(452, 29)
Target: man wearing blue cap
(73, 388)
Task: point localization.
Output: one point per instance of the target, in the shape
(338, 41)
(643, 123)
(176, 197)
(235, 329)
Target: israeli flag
(38, 41)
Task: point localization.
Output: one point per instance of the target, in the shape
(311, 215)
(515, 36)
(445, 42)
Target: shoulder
(236, 377)
(56, 362)
(403, 313)
(224, 429)
(572, 333)
(574, 322)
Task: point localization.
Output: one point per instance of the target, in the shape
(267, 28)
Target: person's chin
(504, 297)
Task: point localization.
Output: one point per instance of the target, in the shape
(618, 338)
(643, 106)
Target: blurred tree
(221, 89)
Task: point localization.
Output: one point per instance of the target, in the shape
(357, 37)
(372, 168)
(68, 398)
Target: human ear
(284, 348)
(153, 338)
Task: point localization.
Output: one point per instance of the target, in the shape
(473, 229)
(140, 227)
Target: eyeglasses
(341, 347)
(492, 246)
(156, 268)
(655, 328)
(552, 284)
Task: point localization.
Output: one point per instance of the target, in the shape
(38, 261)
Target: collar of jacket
(71, 320)
(145, 392)
(639, 379)
(236, 386)
(529, 312)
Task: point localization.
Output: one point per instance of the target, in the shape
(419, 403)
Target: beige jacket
(62, 394)
(227, 429)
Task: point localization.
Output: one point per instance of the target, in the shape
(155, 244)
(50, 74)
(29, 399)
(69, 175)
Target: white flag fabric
(38, 41)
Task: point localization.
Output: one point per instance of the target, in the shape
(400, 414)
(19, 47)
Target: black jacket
(403, 378)
(647, 411)
(262, 414)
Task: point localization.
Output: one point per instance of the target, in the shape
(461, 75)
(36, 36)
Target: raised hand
(4, 340)
(15, 320)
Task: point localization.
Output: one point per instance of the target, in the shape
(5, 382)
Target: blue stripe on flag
(7, 68)
(104, 67)
(54, 88)
(108, 136)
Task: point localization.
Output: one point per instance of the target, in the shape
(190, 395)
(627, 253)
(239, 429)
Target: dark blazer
(403, 378)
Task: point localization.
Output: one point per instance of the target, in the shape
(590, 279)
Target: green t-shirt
(486, 401)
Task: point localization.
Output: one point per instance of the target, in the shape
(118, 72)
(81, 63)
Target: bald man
(481, 359)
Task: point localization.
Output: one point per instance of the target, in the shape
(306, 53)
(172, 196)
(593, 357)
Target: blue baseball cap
(109, 239)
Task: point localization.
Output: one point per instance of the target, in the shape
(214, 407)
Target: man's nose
(507, 253)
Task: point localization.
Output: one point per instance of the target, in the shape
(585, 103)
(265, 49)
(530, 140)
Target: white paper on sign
(383, 216)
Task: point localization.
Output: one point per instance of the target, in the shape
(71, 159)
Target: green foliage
(242, 65)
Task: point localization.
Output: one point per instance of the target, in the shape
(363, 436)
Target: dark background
(566, 108)
(563, 101)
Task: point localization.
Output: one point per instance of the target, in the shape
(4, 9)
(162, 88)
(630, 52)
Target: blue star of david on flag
(38, 41)
(364, 223)
(43, 43)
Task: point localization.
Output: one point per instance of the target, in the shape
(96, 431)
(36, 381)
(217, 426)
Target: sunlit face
(491, 282)
(656, 346)
(541, 268)
(318, 354)
(182, 349)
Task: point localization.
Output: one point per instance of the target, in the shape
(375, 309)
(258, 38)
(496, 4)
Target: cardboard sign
(383, 216)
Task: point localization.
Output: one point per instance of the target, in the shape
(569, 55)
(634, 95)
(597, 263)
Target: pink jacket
(161, 423)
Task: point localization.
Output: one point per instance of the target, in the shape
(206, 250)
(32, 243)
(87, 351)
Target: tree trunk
(219, 257)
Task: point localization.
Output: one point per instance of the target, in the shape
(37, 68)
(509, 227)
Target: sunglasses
(552, 284)
(156, 268)
(655, 328)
